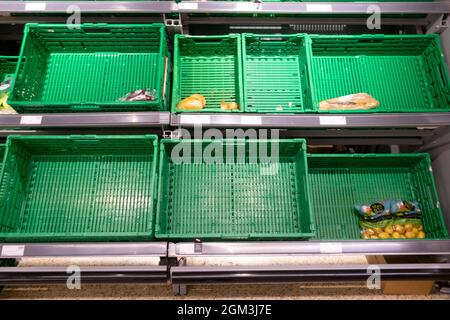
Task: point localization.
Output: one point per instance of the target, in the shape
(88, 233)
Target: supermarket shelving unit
(421, 131)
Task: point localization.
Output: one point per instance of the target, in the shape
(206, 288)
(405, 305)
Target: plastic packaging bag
(5, 108)
(229, 106)
(357, 101)
(140, 95)
(391, 219)
(194, 102)
(393, 229)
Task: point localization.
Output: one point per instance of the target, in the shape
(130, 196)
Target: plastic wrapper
(5, 86)
(357, 101)
(194, 102)
(388, 209)
(229, 106)
(140, 95)
(374, 211)
(396, 228)
(391, 219)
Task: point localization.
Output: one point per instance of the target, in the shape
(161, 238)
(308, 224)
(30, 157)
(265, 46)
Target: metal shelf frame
(394, 120)
(85, 120)
(206, 275)
(438, 7)
(111, 249)
(398, 128)
(39, 275)
(247, 120)
(301, 248)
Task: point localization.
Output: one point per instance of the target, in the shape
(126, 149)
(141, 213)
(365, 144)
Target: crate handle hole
(370, 40)
(97, 30)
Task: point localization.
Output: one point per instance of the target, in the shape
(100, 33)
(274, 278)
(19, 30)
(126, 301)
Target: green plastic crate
(79, 188)
(238, 197)
(339, 182)
(276, 73)
(404, 73)
(208, 65)
(7, 67)
(90, 68)
(2, 156)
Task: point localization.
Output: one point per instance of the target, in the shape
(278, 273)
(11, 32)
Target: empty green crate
(79, 188)
(339, 182)
(90, 68)
(210, 66)
(242, 195)
(404, 73)
(276, 73)
(7, 67)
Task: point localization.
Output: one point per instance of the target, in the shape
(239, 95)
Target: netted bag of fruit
(391, 219)
(392, 229)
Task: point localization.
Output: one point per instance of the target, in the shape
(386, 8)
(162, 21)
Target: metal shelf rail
(438, 7)
(396, 120)
(199, 275)
(158, 119)
(85, 120)
(299, 248)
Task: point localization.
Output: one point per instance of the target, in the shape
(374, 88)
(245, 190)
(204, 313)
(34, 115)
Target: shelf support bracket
(173, 24)
(438, 23)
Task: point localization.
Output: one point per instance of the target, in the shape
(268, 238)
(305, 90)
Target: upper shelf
(346, 247)
(9, 250)
(388, 120)
(218, 120)
(86, 120)
(223, 7)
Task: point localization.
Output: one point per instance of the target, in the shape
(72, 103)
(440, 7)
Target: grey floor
(307, 291)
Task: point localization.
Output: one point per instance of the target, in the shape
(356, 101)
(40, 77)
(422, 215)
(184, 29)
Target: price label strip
(319, 8)
(12, 251)
(333, 121)
(38, 6)
(195, 119)
(31, 120)
(249, 120)
(330, 248)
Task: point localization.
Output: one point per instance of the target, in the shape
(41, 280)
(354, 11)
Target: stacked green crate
(91, 67)
(210, 66)
(276, 73)
(339, 182)
(78, 188)
(404, 73)
(228, 190)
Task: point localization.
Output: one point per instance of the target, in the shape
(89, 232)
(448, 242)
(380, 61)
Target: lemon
(421, 235)
(410, 234)
(389, 230)
(408, 227)
(383, 235)
(399, 228)
(396, 235)
(379, 230)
